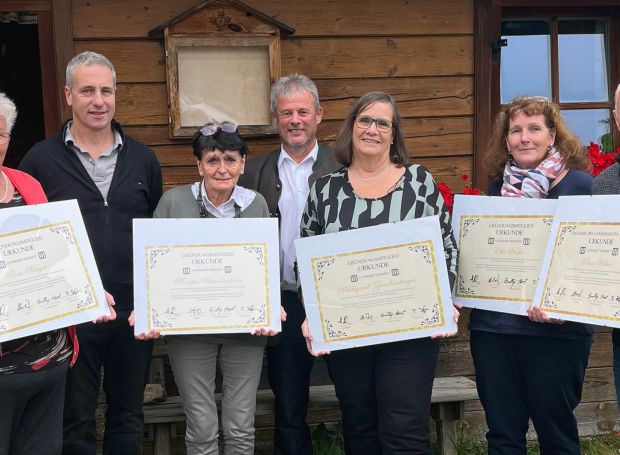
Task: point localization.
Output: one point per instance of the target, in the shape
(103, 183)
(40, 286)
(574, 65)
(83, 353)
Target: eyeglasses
(4, 137)
(365, 122)
(211, 128)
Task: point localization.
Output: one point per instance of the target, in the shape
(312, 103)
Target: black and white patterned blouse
(333, 206)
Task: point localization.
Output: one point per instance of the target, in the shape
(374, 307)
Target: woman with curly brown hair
(532, 367)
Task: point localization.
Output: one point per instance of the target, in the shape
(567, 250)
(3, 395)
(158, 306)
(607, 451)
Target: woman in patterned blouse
(384, 390)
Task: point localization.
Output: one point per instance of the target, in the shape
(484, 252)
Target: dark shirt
(574, 183)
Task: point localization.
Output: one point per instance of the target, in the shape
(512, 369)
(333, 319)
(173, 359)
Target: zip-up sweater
(134, 193)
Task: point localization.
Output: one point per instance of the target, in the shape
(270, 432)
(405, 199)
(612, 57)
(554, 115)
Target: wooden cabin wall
(420, 51)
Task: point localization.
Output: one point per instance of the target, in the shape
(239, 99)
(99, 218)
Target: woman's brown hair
(566, 142)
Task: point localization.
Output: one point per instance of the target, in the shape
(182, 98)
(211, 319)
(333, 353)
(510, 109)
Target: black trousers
(31, 411)
(288, 366)
(385, 396)
(521, 377)
(125, 363)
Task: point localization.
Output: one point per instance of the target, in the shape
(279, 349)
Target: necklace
(376, 176)
(6, 186)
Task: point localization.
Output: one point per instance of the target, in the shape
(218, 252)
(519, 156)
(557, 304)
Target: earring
(549, 148)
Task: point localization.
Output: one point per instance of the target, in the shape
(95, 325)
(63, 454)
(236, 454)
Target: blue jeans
(126, 362)
(288, 367)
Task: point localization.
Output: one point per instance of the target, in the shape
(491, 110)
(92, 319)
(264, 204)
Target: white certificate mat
(501, 243)
(375, 285)
(48, 275)
(206, 275)
(580, 276)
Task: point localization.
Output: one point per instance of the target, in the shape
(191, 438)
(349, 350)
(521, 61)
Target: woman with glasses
(531, 368)
(220, 156)
(32, 369)
(384, 390)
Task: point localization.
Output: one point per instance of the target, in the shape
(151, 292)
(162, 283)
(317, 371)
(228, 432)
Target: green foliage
(607, 143)
(327, 442)
(475, 444)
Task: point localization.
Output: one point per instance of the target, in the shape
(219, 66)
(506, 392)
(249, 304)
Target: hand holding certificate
(580, 279)
(375, 285)
(48, 275)
(219, 276)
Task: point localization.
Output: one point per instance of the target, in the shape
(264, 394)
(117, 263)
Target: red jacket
(31, 191)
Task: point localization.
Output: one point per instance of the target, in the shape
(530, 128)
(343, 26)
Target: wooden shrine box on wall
(221, 58)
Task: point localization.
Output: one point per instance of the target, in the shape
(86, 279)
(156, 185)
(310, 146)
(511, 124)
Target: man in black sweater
(115, 179)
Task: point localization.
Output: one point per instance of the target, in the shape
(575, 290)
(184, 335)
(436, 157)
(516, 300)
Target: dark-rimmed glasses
(365, 122)
(211, 128)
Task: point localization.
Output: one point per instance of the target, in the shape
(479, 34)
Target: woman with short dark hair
(220, 156)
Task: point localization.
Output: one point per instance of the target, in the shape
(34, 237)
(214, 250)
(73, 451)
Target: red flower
(471, 191)
(599, 159)
(447, 195)
(464, 177)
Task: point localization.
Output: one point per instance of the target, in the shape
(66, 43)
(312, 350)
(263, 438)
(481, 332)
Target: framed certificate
(501, 245)
(206, 275)
(580, 275)
(375, 285)
(48, 275)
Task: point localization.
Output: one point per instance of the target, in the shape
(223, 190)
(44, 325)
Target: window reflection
(591, 125)
(583, 60)
(525, 62)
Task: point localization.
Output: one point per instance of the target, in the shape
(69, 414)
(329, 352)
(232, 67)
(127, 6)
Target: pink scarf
(533, 183)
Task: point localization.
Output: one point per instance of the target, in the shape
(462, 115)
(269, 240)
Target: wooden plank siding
(420, 51)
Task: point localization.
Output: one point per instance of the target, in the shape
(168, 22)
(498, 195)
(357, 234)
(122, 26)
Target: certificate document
(48, 275)
(375, 285)
(501, 246)
(580, 278)
(206, 275)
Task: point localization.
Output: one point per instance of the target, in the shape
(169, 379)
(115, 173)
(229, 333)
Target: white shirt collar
(311, 156)
(240, 196)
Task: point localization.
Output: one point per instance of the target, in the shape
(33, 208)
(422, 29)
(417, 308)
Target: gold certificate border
(147, 250)
(458, 274)
(316, 260)
(69, 226)
(559, 240)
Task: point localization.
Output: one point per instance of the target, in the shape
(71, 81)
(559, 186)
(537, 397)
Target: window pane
(583, 60)
(525, 66)
(591, 125)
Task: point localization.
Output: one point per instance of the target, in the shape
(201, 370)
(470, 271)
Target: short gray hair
(87, 58)
(291, 85)
(8, 111)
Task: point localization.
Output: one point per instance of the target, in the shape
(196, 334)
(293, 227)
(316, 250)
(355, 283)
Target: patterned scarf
(533, 183)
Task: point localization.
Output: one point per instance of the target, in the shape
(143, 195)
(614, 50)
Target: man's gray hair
(8, 111)
(87, 58)
(292, 85)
